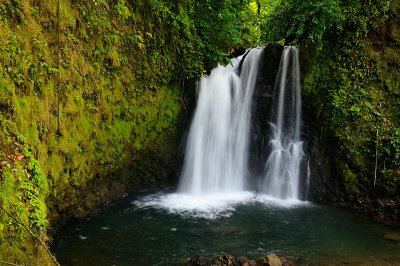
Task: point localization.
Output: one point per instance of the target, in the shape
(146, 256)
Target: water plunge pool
(167, 229)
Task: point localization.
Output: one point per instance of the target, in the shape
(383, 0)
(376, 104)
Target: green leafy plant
(393, 149)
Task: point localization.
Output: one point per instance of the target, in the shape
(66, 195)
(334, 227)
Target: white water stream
(217, 148)
(282, 178)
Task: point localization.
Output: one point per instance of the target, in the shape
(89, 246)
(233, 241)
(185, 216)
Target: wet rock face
(261, 109)
(324, 185)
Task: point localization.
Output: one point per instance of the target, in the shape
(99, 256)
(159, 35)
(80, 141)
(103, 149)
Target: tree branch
(19, 221)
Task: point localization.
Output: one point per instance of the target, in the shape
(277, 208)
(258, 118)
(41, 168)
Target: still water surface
(161, 230)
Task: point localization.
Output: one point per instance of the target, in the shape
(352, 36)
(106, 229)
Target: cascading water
(215, 171)
(282, 178)
(217, 148)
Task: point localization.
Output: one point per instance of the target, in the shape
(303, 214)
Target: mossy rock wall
(90, 102)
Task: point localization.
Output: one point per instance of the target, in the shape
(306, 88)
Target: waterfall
(217, 146)
(215, 173)
(283, 165)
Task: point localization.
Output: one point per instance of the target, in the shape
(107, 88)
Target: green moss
(350, 180)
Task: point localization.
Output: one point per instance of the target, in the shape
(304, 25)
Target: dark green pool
(162, 230)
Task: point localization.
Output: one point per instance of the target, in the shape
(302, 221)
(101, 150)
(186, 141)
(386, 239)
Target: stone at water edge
(392, 236)
(245, 262)
(225, 260)
(272, 260)
(228, 260)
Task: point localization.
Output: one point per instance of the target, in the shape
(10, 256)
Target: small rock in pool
(105, 228)
(81, 237)
(173, 229)
(392, 236)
